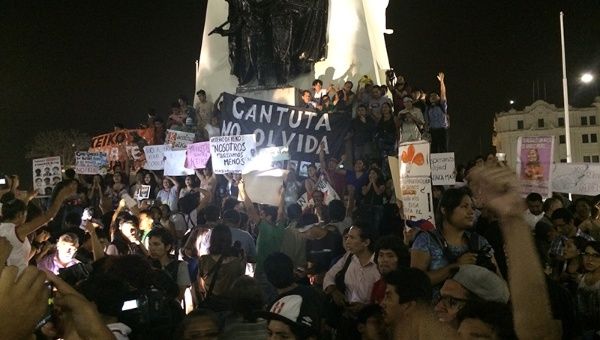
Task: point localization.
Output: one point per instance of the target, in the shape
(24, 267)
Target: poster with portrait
(535, 158)
(47, 172)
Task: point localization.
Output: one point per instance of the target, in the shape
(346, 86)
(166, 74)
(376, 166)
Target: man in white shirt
(535, 210)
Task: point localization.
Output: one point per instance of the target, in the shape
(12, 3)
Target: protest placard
(91, 163)
(395, 171)
(576, 178)
(231, 154)
(323, 186)
(155, 156)
(47, 173)
(269, 158)
(198, 155)
(114, 143)
(264, 186)
(417, 199)
(179, 139)
(414, 159)
(175, 164)
(142, 192)
(299, 129)
(443, 170)
(533, 164)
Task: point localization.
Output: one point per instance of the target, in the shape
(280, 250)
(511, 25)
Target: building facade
(544, 119)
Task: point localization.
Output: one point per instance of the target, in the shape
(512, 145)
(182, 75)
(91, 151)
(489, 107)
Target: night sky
(87, 64)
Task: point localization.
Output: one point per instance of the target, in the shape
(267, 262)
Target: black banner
(275, 124)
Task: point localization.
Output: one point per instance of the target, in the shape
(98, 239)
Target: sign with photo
(47, 173)
(534, 164)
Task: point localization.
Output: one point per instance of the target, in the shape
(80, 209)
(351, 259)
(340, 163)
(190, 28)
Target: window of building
(541, 122)
(592, 120)
(561, 121)
(595, 159)
(585, 138)
(584, 120)
(593, 138)
(563, 160)
(586, 159)
(562, 139)
(519, 125)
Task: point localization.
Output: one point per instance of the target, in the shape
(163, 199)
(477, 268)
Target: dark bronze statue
(271, 41)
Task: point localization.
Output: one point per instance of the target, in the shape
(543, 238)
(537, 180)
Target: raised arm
(497, 188)
(29, 227)
(440, 77)
(281, 214)
(253, 215)
(97, 250)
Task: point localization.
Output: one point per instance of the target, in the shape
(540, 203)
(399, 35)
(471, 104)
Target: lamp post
(565, 90)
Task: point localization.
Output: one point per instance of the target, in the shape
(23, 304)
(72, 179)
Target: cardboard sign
(175, 164)
(576, 178)
(395, 170)
(323, 186)
(155, 156)
(90, 163)
(533, 165)
(198, 155)
(417, 198)
(443, 171)
(231, 154)
(264, 186)
(47, 173)
(178, 140)
(414, 159)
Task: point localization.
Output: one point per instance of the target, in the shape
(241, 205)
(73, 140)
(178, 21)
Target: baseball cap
(482, 282)
(294, 310)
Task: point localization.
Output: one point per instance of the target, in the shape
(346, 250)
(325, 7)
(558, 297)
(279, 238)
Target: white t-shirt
(19, 256)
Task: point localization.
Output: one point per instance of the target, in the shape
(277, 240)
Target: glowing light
(587, 78)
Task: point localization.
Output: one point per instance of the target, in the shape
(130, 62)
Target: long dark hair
(11, 206)
(450, 200)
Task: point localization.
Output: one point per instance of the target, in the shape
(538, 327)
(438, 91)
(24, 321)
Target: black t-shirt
(322, 252)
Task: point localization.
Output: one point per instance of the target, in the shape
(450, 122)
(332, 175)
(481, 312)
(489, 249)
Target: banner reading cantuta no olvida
(275, 124)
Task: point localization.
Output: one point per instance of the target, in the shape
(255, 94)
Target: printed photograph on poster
(142, 192)
(47, 173)
(534, 164)
(414, 159)
(293, 165)
(303, 172)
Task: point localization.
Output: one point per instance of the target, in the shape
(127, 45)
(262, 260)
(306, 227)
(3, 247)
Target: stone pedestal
(285, 95)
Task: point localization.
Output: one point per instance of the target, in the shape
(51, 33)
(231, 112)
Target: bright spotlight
(586, 78)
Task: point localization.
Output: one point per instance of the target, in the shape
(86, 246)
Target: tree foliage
(61, 143)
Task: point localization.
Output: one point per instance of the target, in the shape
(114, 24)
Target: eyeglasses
(594, 256)
(451, 302)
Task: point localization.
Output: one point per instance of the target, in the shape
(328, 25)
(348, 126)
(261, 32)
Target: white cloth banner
(175, 164)
(231, 154)
(155, 156)
(576, 178)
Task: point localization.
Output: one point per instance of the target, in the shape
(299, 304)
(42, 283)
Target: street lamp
(586, 78)
(511, 102)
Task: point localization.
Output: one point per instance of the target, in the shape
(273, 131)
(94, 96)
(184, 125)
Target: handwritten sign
(175, 164)
(443, 168)
(90, 163)
(414, 159)
(178, 140)
(231, 154)
(576, 178)
(198, 155)
(155, 156)
(417, 198)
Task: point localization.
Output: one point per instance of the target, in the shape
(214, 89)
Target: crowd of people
(198, 259)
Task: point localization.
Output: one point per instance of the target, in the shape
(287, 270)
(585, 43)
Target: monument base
(284, 95)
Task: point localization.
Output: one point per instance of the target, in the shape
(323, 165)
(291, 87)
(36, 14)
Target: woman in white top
(169, 192)
(15, 228)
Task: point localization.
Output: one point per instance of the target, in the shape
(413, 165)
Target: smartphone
(50, 309)
(129, 305)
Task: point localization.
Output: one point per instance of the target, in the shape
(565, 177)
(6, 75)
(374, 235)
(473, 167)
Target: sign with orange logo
(414, 159)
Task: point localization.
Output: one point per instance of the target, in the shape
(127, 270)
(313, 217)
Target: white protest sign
(443, 168)
(46, 174)
(175, 164)
(395, 170)
(155, 156)
(414, 159)
(90, 163)
(142, 192)
(179, 139)
(264, 186)
(197, 155)
(268, 158)
(417, 198)
(323, 186)
(535, 158)
(576, 178)
(231, 154)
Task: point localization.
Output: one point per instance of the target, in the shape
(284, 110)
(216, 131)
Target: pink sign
(198, 155)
